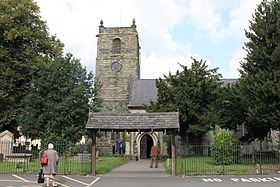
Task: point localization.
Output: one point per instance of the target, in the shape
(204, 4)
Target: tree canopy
(228, 109)
(191, 92)
(57, 104)
(260, 73)
(24, 44)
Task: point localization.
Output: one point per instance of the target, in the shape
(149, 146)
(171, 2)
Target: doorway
(146, 144)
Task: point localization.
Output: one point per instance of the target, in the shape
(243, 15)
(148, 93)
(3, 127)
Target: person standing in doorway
(154, 153)
(50, 170)
(136, 153)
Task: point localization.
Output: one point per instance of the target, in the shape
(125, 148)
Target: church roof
(142, 91)
(133, 121)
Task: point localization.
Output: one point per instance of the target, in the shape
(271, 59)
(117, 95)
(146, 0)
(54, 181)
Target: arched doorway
(146, 144)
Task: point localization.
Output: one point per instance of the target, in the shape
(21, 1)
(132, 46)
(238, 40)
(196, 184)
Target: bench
(18, 157)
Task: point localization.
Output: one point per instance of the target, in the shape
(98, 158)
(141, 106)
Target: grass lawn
(106, 164)
(65, 166)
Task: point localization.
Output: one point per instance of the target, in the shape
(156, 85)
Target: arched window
(117, 45)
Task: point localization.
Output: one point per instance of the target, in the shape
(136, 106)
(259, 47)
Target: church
(122, 90)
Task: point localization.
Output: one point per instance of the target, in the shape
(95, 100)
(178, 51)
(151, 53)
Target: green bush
(224, 148)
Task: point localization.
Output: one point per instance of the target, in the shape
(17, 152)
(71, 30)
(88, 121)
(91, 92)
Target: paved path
(133, 174)
(136, 169)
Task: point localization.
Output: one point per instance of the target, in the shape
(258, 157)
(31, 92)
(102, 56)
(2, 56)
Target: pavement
(133, 170)
(30, 180)
(133, 174)
(139, 174)
(136, 169)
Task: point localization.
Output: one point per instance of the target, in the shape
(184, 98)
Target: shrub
(224, 148)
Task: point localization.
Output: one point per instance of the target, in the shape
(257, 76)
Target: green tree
(24, 43)
(57, 105)
(190, 92)
(228, 110)
(96, 101)
(260, 72)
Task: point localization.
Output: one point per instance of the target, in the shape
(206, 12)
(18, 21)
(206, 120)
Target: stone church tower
(122, 90)
(117, 64)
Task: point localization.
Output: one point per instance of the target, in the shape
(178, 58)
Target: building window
(117, 45)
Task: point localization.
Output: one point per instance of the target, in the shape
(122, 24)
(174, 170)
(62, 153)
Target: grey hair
(50, 146)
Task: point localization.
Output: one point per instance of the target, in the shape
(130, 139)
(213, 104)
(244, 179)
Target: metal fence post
(223, 164)
(261, 157)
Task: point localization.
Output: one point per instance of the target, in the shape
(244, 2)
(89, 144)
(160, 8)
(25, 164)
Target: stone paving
(139, 168)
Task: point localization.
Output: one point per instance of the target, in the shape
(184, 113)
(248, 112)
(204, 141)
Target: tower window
(117, 45)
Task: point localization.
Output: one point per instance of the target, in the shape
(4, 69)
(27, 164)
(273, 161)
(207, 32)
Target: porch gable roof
(133, 121)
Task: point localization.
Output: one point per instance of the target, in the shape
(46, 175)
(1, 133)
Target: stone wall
(104, 144)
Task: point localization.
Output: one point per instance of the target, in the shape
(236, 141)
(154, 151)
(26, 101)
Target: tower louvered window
(117, 45)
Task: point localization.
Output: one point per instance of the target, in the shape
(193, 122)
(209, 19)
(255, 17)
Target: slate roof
(142, 91)
(133, 121)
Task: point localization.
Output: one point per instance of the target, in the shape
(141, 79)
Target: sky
(170, 31)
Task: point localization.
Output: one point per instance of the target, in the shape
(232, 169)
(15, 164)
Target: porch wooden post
(173, 148)
(93, 154)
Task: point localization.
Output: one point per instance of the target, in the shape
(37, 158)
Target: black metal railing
(24, 158)
(201, 159)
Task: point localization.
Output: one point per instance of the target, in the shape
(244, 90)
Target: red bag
(44, 160)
